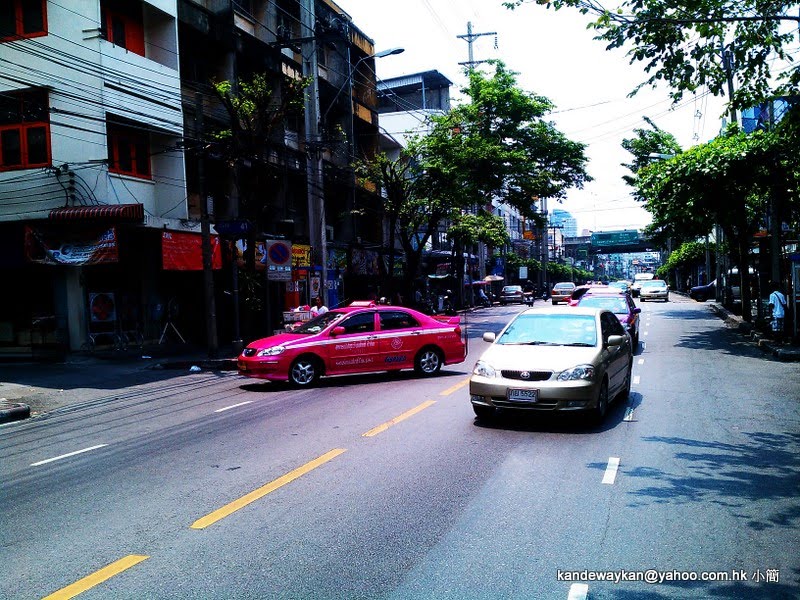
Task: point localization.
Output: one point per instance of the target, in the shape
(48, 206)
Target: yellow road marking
(232, 507)
(454, 388)
(97, 577)
(383, 427)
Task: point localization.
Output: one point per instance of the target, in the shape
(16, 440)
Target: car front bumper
(552, 395)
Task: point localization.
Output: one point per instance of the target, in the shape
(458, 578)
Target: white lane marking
(646, 333)
(55, 458)
(233, 406)
(644, 345)
(636, 380)
(640, 361)
(628, 414)
(578, 591)
(611, 470)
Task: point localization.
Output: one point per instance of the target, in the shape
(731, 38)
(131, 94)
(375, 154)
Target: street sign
(279, 260)
(233, 228)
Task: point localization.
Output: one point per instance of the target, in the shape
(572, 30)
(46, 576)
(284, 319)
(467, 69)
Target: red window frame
(19, 21)
(25, 130)
(123, 24)
(129, 151)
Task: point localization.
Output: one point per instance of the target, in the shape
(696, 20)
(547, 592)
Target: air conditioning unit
(329, 232)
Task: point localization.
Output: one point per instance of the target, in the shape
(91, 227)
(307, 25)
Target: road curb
(13, 411)
(222, 364)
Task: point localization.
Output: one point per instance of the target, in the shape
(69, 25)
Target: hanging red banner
(184, 251)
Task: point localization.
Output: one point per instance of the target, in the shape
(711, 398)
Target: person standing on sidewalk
(777, 304)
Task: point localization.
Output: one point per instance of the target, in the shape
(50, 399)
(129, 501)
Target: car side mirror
(637, 310)
(338, 331)
(488, 336)
(615, 340)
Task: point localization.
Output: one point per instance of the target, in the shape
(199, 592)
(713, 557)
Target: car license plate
(521, 395)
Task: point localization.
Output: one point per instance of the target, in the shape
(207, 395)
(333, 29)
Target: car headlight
(484, 369)
(273, 351)
(576, 373)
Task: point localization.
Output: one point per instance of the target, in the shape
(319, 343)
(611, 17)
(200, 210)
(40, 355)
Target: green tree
(496, 145)
(648, 145)
(723, 182)
(679, 43)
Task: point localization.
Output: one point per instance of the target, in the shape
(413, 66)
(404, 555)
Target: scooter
(528, 298)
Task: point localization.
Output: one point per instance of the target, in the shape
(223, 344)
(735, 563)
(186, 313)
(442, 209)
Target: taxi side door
(400, 338)
(355, 350)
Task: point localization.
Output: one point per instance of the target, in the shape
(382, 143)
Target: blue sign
(236, 227)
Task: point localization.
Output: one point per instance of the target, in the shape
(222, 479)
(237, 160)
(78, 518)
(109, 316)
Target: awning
(133, 213)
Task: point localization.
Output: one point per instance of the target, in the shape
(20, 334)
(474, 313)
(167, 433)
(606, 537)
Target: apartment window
(123, 24)
(22, 19)
(24, 130)
(129, 151)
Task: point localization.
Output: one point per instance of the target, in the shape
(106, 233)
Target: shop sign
(71, 248)
(301, 256)
(184, 251)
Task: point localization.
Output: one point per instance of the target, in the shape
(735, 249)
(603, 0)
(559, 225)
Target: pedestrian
(319, 308)
(777, 304)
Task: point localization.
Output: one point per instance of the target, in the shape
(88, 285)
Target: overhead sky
(555, 56)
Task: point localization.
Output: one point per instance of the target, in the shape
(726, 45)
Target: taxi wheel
(428, 361)
(304, 371)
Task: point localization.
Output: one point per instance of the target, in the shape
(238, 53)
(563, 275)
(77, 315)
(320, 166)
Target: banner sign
(301, 256)
(71, 247)
(184, 251)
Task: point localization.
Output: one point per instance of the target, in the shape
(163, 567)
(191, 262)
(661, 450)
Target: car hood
(538, 358)
(282, 339)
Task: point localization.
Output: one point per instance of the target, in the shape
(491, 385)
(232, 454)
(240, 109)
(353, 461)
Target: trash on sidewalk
(194, 369)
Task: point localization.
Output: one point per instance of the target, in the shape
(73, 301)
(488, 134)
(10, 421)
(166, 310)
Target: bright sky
(555, 56)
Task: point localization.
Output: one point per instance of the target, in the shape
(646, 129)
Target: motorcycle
(528, 298)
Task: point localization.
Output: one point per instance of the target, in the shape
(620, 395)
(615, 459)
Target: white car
(655, 289)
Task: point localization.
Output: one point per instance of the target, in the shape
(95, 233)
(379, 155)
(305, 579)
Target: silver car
(552, 360)
(655, 289)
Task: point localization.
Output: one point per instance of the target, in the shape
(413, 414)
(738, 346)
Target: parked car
(621, 304)
(561, 291)
(655, 289)
(511, 293)
(701, 293)
(359, 338)
(554, 360)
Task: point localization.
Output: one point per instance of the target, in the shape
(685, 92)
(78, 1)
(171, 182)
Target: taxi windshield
(319, 323)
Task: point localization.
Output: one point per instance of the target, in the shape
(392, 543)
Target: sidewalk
(783, 352)
(30, 388)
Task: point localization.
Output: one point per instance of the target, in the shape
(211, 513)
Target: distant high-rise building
(564, 220)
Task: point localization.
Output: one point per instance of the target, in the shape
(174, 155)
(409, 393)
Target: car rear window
(615, 304)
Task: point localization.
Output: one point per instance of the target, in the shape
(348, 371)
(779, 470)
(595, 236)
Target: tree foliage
(680, 43)
(496, 145)
(646, 146)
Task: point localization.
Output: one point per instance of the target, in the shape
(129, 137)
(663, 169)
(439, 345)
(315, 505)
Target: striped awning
(133, 213)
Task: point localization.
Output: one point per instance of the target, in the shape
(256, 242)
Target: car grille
(532, 375)
(249, 352)
(501, 402)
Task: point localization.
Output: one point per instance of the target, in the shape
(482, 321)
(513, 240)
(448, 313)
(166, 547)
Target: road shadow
(553, 422)
(340, 381)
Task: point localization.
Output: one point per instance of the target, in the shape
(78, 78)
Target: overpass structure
(609, 242)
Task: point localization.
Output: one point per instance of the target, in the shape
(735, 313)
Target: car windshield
(319, 323)
(615, 304)
(551, 330)
(654, 284)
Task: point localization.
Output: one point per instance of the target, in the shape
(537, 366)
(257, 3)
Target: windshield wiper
(580, 344)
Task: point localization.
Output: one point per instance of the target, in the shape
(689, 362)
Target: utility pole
(314, 181)
(205, 232)
(471, 37)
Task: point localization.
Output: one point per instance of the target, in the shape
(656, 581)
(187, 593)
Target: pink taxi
(359, 338)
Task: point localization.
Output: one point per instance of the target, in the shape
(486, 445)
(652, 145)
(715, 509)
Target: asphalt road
(212, 486)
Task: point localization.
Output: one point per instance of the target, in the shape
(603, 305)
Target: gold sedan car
(552, 360)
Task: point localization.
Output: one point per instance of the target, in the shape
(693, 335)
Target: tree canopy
(498, 144)
(688, 45)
